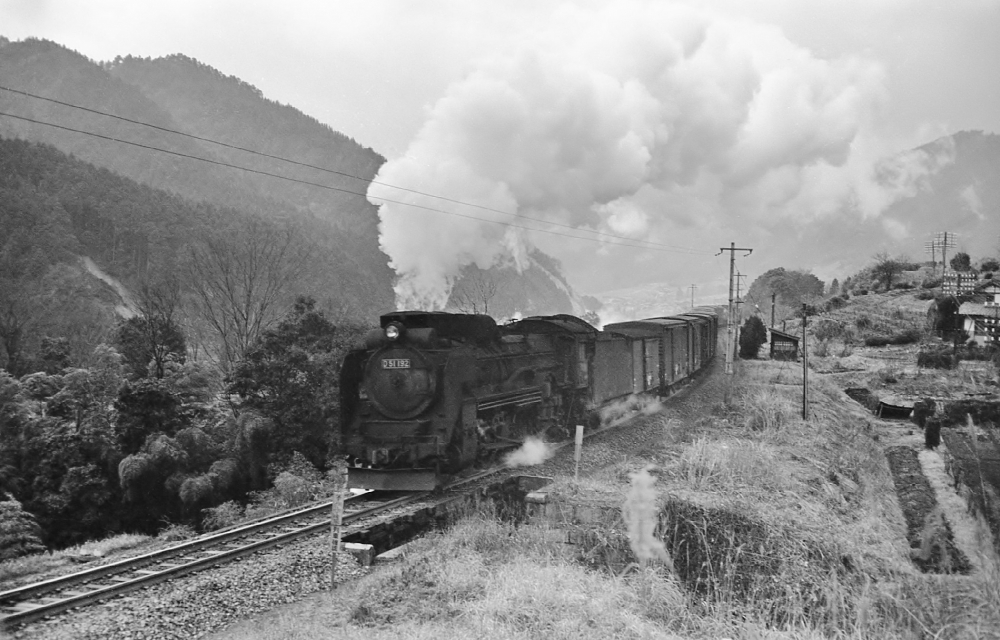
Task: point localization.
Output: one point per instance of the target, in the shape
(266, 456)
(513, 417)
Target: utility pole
(739, 309)
(805, 368)
(739, 297)
(773, 295)
(931, 248)
(732, 249)
(945, 241)
(692, 287)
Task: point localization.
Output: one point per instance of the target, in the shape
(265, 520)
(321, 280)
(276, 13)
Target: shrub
(827, 329)
(931, 283)
(924, 295)
(889, 375)
(861, 292)
(20, 534)
(935, 359)
(222, 516)
(293, 489)
(903, 285)
(174, 532)
(821, 349)
(845, 351)
(908, 336)
(863, 322)
(876, 341)
(971, 351)
(834, 303)
(764, 409)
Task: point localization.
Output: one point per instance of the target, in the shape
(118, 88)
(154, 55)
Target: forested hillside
(55, 209)
(180, 94)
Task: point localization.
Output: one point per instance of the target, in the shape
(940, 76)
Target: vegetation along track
(34, 601)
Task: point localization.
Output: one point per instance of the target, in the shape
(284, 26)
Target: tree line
(214, 380)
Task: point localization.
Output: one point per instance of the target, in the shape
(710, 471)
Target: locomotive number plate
(396, 363)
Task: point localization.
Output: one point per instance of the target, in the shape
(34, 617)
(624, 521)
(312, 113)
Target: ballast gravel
(200, 603)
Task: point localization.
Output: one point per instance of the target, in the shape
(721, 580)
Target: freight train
(431, 393)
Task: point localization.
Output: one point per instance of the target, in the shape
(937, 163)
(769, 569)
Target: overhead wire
(628, 242)
(332, 188)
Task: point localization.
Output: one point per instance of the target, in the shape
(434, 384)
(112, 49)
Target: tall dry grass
(791, 528)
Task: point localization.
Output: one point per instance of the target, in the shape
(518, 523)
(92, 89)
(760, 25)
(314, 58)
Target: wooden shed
(784, 346)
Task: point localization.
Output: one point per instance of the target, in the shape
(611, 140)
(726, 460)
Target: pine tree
(752, 336)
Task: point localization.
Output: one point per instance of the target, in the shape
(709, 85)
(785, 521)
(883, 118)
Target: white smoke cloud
(533, 451)
(637, 119)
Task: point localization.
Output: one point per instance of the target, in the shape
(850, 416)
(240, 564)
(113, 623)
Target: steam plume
(641, 119)
(640, 514)
(533, 451)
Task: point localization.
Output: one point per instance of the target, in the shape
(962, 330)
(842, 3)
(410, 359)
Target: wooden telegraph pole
(692, 287)
(805, 368)
(730, 328)
(945, 240)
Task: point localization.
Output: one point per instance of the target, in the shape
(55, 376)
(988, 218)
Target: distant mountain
(951, 184)
(178, 93)
(960, 194)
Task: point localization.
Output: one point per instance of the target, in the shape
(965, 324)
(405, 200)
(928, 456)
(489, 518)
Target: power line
(648, 243)
(651, 246)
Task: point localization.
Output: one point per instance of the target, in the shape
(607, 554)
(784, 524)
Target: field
(773, 527)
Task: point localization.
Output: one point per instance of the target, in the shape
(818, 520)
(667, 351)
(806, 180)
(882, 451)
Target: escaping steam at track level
(533, 451)
(648, 123)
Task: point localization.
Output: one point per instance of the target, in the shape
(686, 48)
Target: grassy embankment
(779, 528)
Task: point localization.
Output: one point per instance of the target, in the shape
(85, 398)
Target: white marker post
(576, 455)
(337, 515)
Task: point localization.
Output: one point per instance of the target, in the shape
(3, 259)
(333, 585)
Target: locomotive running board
(392, 479)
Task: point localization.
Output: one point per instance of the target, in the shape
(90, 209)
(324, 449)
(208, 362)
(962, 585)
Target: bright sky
(369, 68)
(403, 77)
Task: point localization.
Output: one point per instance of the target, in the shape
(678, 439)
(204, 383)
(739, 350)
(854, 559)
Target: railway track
(38, 600)
(35, 601)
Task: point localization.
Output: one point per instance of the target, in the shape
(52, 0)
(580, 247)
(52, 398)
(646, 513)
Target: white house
(982, 319)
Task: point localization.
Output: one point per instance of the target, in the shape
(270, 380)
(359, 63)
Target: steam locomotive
(430, 393)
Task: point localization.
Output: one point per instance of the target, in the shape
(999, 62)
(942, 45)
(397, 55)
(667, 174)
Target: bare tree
(886, 268)
(243, 282)
(155, 333)
(475, 291)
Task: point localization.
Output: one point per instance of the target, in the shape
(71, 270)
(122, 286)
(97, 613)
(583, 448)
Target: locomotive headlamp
(393, 331)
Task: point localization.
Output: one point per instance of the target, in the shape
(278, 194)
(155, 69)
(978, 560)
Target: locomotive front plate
(396, 363)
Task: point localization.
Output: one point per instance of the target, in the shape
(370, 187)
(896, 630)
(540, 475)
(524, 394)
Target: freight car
(430, 393)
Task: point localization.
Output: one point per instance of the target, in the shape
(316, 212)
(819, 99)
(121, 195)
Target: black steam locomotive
(431, 392)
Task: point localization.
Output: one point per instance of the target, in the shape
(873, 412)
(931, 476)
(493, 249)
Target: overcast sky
(410, 78)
